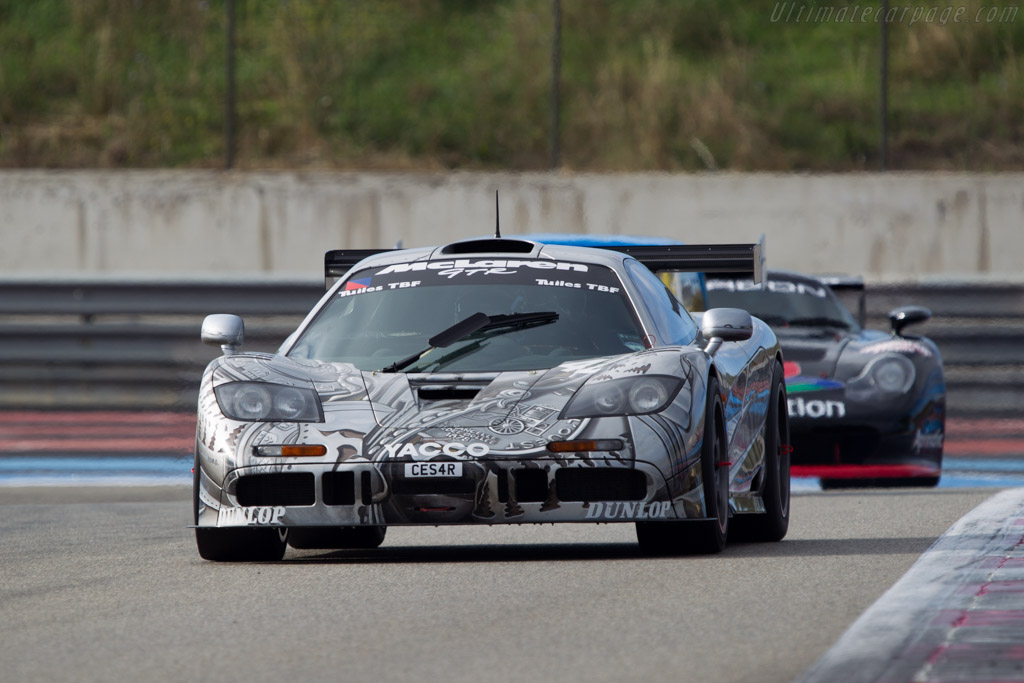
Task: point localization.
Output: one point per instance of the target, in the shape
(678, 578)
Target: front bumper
(864, 451)
(538, 490)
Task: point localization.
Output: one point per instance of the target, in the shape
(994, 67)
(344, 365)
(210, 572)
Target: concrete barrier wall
(893, 226)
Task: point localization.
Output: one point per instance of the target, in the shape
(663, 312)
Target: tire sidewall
(714, 442)
(778, 494)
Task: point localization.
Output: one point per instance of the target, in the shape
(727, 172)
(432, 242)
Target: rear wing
(736, 260)
(727, 260)
(337, 262)
(849, 283)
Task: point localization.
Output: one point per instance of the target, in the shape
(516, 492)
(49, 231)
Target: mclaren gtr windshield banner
(535, 313)
(517, 272)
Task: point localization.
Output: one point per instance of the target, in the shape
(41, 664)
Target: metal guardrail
(129, 344)
(135, 344)
(90, 298)
(952, 300)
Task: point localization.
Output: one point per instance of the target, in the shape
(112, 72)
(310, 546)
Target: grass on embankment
(646, 85)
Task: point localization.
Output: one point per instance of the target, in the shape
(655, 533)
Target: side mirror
(725, 324)
(908, 315)
(224, 330)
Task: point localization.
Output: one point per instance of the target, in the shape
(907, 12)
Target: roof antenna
(497, 218)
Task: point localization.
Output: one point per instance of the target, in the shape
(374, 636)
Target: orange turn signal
(290, 451)
(582, 446)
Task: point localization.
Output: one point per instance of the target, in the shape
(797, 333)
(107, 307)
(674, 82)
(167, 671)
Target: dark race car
(866, 407)
(496, 381)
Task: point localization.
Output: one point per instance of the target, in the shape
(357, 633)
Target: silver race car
(497, 381)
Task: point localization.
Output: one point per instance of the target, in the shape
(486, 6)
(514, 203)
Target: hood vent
(489, 246)
(448, 393)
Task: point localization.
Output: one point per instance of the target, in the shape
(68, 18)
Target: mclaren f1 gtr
(496, 381)
(866, 407)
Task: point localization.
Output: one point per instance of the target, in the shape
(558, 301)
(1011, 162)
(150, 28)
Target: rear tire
(319, 538)
(773, 524)
(921, 482)
(705, 536)
(241, 544)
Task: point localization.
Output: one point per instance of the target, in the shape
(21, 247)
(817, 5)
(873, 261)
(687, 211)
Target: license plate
(433, 469)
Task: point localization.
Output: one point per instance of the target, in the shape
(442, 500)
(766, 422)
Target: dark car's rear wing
(728, 260)
(849, 283)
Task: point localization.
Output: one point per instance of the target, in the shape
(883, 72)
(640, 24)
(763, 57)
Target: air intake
(489, 246)
(283, 488)
(339, 488)
(531, 485)
(606, 483)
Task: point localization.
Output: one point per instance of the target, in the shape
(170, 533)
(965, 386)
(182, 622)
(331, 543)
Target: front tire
(774, 523)
(705, 536)
(241, 544)
(234, 544)
(333, 538)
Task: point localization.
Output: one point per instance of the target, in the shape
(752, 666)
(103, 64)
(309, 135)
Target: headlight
(625, 396)
(261, 402)
(883, 377)
(894, 374)
(648, 397)
(291, 403)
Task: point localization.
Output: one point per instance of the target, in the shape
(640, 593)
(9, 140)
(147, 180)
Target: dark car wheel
(707, 535)
(894, 482)
(919, 482)
(336, 537)
(774, 523)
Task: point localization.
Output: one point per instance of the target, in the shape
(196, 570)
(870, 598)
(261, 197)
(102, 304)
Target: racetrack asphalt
(956, 615)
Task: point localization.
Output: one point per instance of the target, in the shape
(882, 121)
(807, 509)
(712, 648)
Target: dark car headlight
(262, 402)
(885, 376)
(625, 396)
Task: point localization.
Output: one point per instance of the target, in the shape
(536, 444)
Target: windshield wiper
(470, 326)
(819, 321)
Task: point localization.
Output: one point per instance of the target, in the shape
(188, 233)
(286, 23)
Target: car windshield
(782, 303)
(383, 318)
